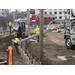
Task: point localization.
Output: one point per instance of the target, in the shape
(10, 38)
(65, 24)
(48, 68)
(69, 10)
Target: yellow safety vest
(36, 30)
(17, 40)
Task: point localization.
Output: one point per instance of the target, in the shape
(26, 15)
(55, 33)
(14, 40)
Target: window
(65, 12)
(45, 17)
(55, 12)
(45, 12)
(37, 18)
(49, 18)
(60, 12)
(32, 11)
(53, 18)
(50, 12)
(60, 17)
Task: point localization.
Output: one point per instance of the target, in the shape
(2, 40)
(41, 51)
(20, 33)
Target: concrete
(61, 57)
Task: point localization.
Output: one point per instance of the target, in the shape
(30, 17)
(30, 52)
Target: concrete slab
(61, 57)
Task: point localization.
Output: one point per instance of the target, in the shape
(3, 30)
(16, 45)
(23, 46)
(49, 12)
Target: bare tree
(4, 20)
(9, 17)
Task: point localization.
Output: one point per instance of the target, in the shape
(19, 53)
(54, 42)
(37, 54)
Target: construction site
(52, 48)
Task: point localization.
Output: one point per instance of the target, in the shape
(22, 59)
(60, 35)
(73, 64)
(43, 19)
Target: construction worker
(36, 31)
(16, 42)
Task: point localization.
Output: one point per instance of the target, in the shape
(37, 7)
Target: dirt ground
(4, 43)
(53, 46)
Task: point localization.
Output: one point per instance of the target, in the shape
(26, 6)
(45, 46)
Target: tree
(4, 20)
(9, 17)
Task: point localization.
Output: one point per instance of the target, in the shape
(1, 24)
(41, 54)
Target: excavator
(69, 33)
(20, 31)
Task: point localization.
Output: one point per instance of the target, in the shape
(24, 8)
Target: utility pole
(41, 35)
(28, 17)
(16, 14)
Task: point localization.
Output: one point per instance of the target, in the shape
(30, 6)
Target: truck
(69, 31)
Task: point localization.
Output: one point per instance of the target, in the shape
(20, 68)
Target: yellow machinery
(21, 30)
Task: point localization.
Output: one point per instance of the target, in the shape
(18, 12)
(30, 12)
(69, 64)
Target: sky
(19, 9)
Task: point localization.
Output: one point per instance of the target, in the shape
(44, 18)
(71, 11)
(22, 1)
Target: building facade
(49, 15)
(35, 17)
(59, 13)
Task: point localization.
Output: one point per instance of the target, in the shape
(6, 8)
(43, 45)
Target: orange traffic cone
(58, 30)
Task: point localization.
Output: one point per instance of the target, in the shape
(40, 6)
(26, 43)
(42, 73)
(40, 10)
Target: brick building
(35, 18)
(32, 17)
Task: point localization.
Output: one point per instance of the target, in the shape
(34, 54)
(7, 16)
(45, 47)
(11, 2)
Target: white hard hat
(37, 26)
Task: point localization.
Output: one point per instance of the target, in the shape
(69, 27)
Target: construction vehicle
(69, 33)
(20, 30)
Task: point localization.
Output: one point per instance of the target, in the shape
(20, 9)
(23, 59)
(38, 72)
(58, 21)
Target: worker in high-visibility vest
(16, 42)
(36, 31)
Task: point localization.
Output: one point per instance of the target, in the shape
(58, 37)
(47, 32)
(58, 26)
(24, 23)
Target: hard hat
(37, 26)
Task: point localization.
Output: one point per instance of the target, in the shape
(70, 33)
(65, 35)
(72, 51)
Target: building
(59, 13)
(49, 15)
(35, 17)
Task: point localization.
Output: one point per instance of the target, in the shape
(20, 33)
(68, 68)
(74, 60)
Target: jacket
(17, 41)
(36, 30)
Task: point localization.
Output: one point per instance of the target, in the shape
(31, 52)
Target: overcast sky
(19, 9)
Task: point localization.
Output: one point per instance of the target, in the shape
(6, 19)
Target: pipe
(30, 37)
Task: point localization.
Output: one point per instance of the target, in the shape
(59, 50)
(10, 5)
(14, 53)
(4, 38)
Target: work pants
(16, 46)
(37, 38)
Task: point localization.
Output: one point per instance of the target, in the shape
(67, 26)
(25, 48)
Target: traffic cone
(58, 30)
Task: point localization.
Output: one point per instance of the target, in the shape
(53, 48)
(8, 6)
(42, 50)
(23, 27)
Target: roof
(59, 19)
(32, 9)
(46, 15)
